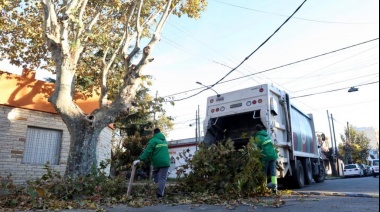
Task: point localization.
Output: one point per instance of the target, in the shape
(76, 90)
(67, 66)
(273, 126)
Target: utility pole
(336, 149)
(348, 145)
(331, 135)
(199, 127)
(332, 158)
(196, 130)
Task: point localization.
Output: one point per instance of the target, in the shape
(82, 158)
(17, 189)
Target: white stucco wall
(175, 152)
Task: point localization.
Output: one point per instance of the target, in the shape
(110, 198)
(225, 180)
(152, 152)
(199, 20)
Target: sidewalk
(297, 203)
(303, 200)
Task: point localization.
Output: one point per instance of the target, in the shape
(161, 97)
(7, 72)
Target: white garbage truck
(233, 115)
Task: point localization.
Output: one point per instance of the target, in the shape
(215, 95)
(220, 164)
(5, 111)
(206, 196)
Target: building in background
(176, 147)
(31, 131)
(373, 135)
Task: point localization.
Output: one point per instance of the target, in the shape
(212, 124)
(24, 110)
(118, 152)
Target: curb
(342, 194)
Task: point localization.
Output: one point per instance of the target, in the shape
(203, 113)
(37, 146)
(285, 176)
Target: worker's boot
(274, 189)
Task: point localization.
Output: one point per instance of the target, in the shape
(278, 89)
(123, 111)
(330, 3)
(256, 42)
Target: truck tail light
(260, 100)
(261, 90)
(254, 102)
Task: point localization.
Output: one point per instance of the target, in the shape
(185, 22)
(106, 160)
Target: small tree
(355, 146)
(137, 128)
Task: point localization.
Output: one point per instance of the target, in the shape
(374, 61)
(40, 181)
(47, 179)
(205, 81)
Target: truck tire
(299, 175)
(308, 171)
(320, 177)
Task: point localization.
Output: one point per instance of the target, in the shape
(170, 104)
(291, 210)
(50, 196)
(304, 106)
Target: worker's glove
(136, 162)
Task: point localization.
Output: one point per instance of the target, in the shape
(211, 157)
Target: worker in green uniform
(158, 150)
(268, 153)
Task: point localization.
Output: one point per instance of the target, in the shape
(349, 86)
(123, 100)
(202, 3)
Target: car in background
(353, 170)
(374, 167)
(364, 168)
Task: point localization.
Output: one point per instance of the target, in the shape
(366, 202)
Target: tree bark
(83, 145)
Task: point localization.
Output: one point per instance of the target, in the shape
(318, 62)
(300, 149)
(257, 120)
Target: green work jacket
(264, 143)
(158, 151)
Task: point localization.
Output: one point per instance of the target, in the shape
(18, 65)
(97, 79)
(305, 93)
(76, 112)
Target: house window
(42, 146)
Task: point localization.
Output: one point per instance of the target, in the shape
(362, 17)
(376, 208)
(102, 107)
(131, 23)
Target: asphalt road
(292, 204)
(363, 186)
(339, 195)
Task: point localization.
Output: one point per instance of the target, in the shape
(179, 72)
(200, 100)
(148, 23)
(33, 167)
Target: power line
(261, 45)
(209, 47)
(330, 65)
(332, 73)
(278, 67)
(336, 82)
(304, 19)
(249, 54)
(333, 90)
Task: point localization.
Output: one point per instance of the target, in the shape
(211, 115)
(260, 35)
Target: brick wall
(13, 127)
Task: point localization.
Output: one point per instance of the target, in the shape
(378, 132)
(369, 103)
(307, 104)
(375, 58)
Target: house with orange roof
(31, 131)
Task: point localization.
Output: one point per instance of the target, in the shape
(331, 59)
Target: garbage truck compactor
(234, 114)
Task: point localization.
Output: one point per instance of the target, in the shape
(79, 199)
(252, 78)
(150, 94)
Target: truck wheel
(320, 177)
(299, 177)
(308, 171)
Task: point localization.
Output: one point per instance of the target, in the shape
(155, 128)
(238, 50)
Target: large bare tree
(88, 42)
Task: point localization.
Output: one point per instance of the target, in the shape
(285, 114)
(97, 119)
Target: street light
(353, 89)
(208, 87)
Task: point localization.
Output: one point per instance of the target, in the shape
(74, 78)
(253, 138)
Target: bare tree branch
(51, 27)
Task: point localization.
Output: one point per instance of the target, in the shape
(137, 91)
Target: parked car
(375, 167)
(353, 170)
(364, 168)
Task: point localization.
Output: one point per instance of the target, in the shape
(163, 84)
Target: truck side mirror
(323, 137)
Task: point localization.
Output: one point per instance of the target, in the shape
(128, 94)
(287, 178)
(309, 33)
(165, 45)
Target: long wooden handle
(131, 180)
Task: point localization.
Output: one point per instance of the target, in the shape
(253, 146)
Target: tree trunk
(83, 145)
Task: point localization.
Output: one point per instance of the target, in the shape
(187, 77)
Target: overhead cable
(209, 87)
(295, 97)
(304, 19)
(278, 67)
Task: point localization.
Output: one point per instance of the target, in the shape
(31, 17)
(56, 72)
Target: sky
(205, 50)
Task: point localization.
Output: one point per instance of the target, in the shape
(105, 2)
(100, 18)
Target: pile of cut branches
(223, 171)
(219, 175)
